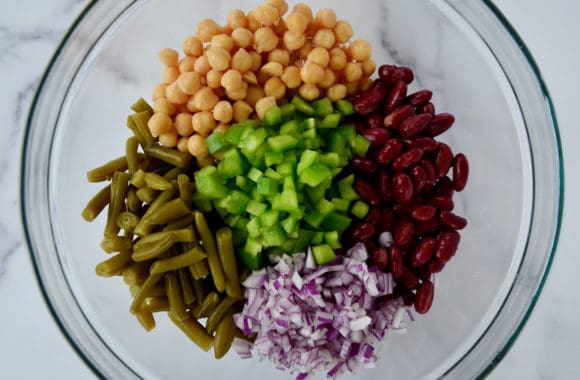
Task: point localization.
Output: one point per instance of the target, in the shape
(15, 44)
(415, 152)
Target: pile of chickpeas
(258, 59)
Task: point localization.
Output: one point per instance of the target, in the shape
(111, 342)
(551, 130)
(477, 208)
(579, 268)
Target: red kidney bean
(387, 219)
(423, 213)
(390, 150)
(370, 100)
(419, 98)
(363, 165)
(443, 160)
(402, 188)
(423, 251)
(460, 172)
(427, 108)
(429, 172)
(376, 136)
(360, 127)
(428, 144)
(366, 191)
(424, 297)
(403, 232)
(385, 187)
(427, 227)
(362, 231)
(408, 159)
(371, 245)
(375, 120)
(419, 178)
(443, 203)
(396, 261)
(401, 209)
(392, 74)
(439, 123)
(408, 279)
(451, 220)
(435, 266)
(444, 187)
(374, 216)
(414, 125)
(380, 259)
(398, 116)
(395, 97)
(447, 244)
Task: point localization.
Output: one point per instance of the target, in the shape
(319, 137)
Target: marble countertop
(31, 345)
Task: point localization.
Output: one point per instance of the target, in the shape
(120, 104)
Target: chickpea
(189, 83)
(203, 123)
(174, 94)
(186, 64)
(319, 56)
(309, 91)
(266, 15)
(364, 84)
(255, 93)
(213, 78)
(222, 128)
(336, 92)
(223, 41)
(265, 39)
(324, 38)
(236, 19)
(170, 74)
(192, 46)
(159, 91)
(182, 124)
(202, 65)
(205, 161)
(218, 58)
(182, 144)
(275, 87)
(242, 61)
(250, 77)
(256, 61)
(360, 50)
(337, 59)
(237, 93)
(232, 80)
(168, 139)
(206, 29)
(251, 22)
(368, 67)
(326, 18)
(297, 22)
(242, 110)
(163, 105)
(220, 92)
(264, 105)
(181, 108)
(305, 10)
(242, 37)
(168, 57)
(291, 77)
(352, 71)
(190, 105)
(351, 87)
(293, 40)
(305, 49)
(343, 31)
(280, 27)
(279, 55)
(223, 111)
(280, 5)
(262, 76)
(312, 28)
(159, 124)
(196, 147)
(273, 69)
(205, 99)
(328, 79)
(311, 73)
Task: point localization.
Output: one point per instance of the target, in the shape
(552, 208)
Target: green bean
(173, 173)
(224, 336)
(175, 296)
(158, 290)
(131, 125)
(180, 261)
(147, 195)
(106, 171)
(138, 179)
(119, 187)
(145, 317)
(142, 228)
(112, 244)
(152, 245)
(133, 202)
(199, 290)
(184, 235)
(140, 120)
(157, 304)
(134, 289)
(114, 265)
(141, 105)
(143, 292)
(184, 186)
(131, 147)
(211, 250)
(227, 256)
(171, 156)
(180, 223)
(127, 221)
(218, 313)
(186, 286)
(194, 330)
(204, 309)
(136, 272)
(156, 182)
(96, 204)
(199, 270)
(169, 212)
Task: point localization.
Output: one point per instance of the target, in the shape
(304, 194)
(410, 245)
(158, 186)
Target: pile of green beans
(165, 250)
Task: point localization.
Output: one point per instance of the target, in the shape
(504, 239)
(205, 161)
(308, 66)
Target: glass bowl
(465, 51)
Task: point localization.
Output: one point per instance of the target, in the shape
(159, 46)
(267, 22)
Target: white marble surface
(32, 347)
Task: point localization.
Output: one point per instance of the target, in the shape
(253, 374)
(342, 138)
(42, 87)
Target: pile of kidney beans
(404, 178)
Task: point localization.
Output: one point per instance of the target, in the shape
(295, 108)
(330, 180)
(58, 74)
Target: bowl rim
(501, 353)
